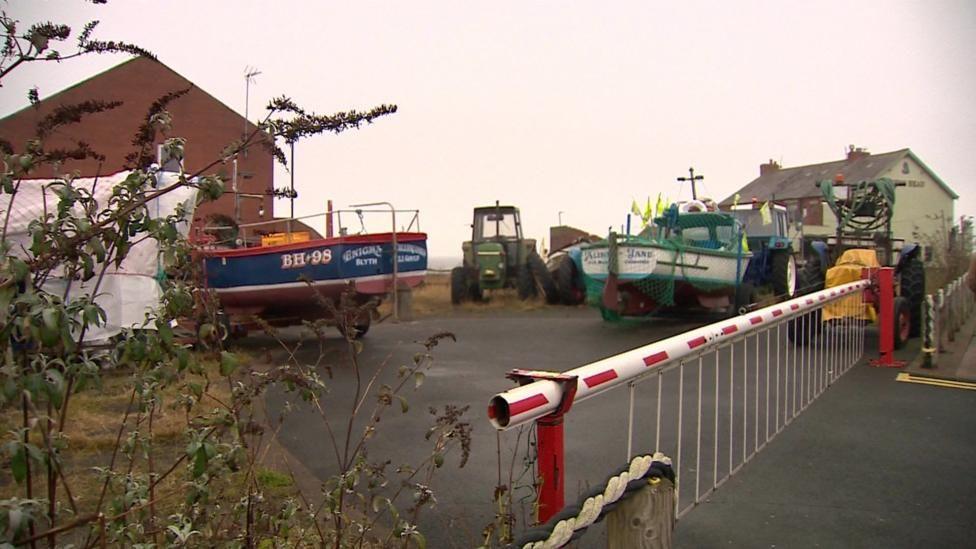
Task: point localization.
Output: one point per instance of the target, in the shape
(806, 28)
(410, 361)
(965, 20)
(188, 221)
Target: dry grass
(94, 418)
(433, 298)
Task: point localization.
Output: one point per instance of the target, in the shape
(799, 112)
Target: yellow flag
(745, 243)
(735, 200)
(659, 206)
(635, 209)
(767, 216)
(648, 212)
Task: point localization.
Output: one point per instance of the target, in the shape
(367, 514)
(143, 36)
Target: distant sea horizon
(443, 263)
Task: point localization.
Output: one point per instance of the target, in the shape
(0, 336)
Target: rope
(570, 523)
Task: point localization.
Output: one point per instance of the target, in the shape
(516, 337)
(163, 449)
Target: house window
(904, 168)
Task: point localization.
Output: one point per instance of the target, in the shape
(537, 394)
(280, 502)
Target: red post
(886, 319)
(551, 466)
(549, 429)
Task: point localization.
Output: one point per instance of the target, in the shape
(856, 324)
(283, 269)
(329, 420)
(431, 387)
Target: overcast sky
(572, 107)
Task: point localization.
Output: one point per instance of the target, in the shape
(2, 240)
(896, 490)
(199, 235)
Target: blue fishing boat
(279, 283)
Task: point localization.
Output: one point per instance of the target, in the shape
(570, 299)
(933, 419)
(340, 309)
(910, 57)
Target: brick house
(207, 124)
(922, 206)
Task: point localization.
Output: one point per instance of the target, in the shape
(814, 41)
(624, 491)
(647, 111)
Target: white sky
(573, 107)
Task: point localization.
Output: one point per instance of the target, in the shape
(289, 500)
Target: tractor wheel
(525, 283)
(543, 280)
(802, 330)
(784, 275)
(567, 283)
(459, 285)
(913, 290)
(810, 279)
(903, 322)
(474, 291)
(745, 295)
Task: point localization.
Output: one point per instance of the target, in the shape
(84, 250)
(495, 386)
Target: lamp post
(396, 301)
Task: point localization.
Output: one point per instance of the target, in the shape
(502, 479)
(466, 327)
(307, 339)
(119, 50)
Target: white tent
(128, 293)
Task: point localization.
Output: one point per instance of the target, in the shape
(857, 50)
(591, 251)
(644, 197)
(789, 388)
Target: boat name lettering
(639, 253)
(356, 253)
(300, 259)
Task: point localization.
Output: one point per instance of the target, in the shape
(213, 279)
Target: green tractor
(497, 256)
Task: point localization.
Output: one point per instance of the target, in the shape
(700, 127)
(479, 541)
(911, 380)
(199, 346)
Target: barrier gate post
(887, 323)
(550, 452)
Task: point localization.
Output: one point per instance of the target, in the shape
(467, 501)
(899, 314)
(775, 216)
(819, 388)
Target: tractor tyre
(525, 283)
(784, 275)
(913, 290)
(803, 329)
(543, 280)
(903, 321)
(459, 285)
(567, 282)
(810, 279)
(474, 291)
(745, 295)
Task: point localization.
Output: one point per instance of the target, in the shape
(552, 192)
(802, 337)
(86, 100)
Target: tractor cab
(496, 244)
(499, 256)
(767, 234)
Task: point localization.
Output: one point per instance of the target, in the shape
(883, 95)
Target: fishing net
(683, 243)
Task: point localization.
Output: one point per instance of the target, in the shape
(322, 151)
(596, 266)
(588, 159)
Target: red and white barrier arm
(540, 398)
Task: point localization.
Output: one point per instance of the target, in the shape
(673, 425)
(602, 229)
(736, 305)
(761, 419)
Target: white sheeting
(128, 293)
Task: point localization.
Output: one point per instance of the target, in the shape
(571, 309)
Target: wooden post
(645, 519)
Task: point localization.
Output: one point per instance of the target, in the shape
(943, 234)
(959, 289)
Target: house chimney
(768, 167)
(856, 153)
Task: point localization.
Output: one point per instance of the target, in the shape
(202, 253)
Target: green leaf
(228, 363)
(50, 317)
(165, 332)
(418, 379)
(206, 331)
(18, 464)
(182, 359)
(438, 460)
(55, 387)
(200, 462)
(404, 407)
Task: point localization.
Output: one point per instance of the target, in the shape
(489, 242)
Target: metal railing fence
(710, 398)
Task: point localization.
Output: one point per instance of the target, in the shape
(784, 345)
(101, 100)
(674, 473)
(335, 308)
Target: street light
(396, 300)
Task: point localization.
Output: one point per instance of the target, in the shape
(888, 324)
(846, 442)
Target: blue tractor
(773, 264)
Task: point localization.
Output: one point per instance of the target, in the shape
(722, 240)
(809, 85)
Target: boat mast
(692, 177)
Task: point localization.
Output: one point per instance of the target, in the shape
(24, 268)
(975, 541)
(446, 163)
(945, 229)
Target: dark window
(927, 253)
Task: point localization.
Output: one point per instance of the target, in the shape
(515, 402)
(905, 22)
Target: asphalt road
(779, 499)
(466, 373)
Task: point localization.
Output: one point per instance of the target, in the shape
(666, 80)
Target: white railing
(711, 398)
(945, 313)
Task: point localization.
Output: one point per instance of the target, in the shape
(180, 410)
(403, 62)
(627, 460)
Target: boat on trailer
(282, 283)
(689, 257)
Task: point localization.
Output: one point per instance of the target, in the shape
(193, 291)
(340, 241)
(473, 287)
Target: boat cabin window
(491, 225)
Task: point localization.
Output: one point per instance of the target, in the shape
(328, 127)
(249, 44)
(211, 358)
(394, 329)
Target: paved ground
(871, 463)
